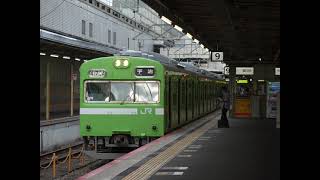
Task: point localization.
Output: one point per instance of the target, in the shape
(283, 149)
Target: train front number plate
(97, 73)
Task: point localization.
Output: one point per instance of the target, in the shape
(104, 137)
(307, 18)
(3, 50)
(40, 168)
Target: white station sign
(277, 71)
(217, 56)
(226, 70)
(244, 70)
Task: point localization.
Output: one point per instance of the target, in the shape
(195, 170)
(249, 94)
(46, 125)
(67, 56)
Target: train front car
(121, 103)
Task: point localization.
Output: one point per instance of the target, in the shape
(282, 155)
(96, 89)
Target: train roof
(171, 63)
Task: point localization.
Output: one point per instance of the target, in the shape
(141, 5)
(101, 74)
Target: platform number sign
(217, 56)
(226, 70)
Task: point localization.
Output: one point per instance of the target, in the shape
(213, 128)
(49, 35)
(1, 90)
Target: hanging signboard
(217, 56)
(226, 70)
(277, 71)
(244, 70)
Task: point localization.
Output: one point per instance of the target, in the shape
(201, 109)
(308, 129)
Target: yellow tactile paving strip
(154, 164)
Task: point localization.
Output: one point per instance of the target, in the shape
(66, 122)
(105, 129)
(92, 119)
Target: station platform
(248, 150)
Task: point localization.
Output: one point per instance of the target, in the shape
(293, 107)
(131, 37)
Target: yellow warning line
(154, 164)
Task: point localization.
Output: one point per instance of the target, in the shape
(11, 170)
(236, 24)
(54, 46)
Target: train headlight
(125, 63)
(118, 63)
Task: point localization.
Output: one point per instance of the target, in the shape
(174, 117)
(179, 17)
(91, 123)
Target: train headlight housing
(121, 63)
(125, 63)
(117, 63)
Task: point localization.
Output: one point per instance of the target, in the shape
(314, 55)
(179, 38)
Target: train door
(167, 102)
(182, 101)
(196, 99)
(174, 101)
(189, 95)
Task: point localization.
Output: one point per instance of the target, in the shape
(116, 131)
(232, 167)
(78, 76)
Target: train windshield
(147, 92)
(123, 92)
(97, 91)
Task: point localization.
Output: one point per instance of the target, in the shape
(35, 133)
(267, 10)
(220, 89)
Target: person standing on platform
(225, 98)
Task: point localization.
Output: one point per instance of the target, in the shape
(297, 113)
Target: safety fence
(68, 161)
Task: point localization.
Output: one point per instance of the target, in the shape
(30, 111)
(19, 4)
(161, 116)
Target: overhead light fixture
(54, 55)
(178, 28)
(196, 41)
(189, 35)
(242, 81)
(166, 20)
(77, 59)
(260, 80)
(66, 57)
(260, 59)
(42, 54)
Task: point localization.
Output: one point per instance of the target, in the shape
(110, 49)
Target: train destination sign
(97, 73)
(145, 71)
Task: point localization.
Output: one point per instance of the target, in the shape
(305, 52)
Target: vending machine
(242, 99)
(273, 89)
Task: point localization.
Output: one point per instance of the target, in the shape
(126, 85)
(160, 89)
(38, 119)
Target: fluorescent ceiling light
(178, 28)
(189, 35)
(54, 55)
(66, 57)
(166, 20)
(77, 59)
(42, 54)
(242, 81)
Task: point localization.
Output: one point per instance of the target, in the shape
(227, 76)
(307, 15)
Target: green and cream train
(129, 99)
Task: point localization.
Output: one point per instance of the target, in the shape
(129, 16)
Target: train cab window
(147, 92)
(122, 91)
(97, 92)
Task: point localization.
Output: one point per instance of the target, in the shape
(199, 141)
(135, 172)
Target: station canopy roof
(245, 30)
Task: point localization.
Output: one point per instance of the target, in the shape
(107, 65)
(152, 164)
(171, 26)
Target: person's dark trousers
(224, 118)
